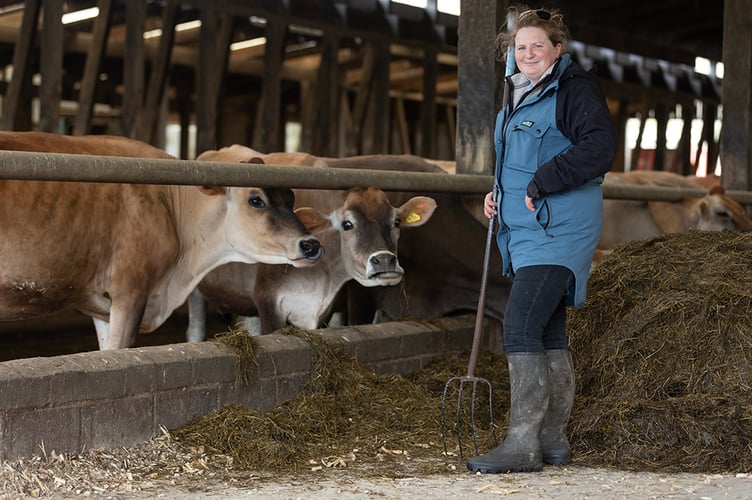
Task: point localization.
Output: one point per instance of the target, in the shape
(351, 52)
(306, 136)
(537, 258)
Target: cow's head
(717, 212)
(260, 225)
(369, 228)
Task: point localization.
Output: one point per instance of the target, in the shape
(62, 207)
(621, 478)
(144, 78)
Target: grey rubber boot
(553, 435)
(520, 451)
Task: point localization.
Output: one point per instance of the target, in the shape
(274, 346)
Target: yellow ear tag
(412, 217)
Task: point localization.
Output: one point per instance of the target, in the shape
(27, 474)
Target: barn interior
(347, 77)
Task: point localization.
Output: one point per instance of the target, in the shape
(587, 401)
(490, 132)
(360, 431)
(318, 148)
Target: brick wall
(109, 399)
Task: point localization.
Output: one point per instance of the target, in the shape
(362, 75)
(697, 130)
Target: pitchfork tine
(470, 377)
(459, 416)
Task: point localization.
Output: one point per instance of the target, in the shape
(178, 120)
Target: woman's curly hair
(521, 16)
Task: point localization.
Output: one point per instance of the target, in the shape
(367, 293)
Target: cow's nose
(311, 248)
(384, 261)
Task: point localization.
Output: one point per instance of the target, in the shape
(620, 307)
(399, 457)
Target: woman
(555, 139)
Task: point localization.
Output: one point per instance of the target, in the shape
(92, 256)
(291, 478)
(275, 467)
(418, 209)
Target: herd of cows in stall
(128, 255)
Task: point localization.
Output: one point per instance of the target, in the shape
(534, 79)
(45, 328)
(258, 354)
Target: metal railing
(110, 169)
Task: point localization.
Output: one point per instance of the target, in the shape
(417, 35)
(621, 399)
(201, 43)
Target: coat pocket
(524, 146)
(543, 214)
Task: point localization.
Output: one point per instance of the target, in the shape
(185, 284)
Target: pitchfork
(470, 379)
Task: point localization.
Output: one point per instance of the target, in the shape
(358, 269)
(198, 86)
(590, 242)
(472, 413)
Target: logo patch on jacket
(527, 123)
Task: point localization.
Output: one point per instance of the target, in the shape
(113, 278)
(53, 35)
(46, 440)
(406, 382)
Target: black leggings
(536, 313)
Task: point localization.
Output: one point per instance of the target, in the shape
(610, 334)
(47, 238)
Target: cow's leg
(337, 319)
(252, 325)
(196, 331)
(125, 320)
(270, 317)
(103, 331)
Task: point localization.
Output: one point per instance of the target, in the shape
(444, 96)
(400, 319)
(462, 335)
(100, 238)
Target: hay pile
(346, 415)
(663, 349)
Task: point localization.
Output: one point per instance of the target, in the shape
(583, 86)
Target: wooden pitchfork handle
(482, 297)
(508, 71)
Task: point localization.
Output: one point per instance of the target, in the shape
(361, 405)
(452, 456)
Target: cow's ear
(213, 190)
(416, 211)
(704, 208)
(312, 219)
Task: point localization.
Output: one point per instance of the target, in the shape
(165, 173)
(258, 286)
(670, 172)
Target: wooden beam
(376, 126)
(51, 67)
(308, 115)
(736, 137)
(638, 143)
(345, 122)
(91, 70)
(451, 120)
(685, 143)
(21, 64)
(621, 124)
(226, 30)
(267, 134)
(327, 98)
(428, 106)
(661, 119)
(185, 110)
(361, 100)
(158, 79)
(216, 32)
(206, 76)
(476, 73)
(710, 115)
(400, 121)
(624, 42)
(133, 66)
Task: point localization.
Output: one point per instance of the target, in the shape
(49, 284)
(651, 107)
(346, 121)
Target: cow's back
(628, 220)
(95, 145)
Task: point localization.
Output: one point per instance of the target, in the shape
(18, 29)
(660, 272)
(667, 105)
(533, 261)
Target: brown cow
(627, 220)
(360, 235)
(129, 254)
(443, 258)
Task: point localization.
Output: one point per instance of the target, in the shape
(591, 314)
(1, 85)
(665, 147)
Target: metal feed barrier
(84, 168)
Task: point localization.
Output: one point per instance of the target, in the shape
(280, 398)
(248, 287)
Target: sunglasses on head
(541, 13)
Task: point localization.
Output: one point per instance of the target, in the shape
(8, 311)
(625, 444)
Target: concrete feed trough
(107, 399)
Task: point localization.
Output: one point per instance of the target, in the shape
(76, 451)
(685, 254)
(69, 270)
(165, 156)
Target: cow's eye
(347, 225)
(397, 222)
(256, 202)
